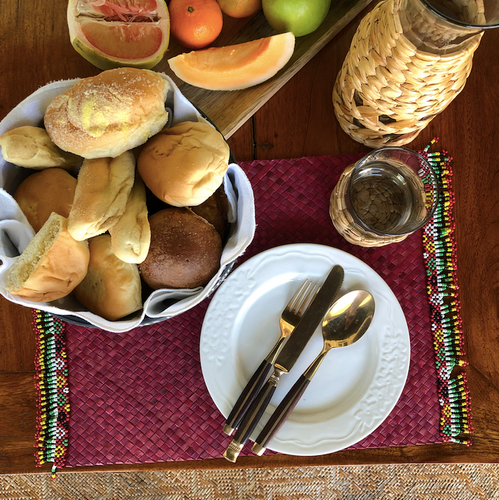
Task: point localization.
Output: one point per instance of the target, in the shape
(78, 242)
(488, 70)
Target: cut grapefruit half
(234, 67)
(114, 33)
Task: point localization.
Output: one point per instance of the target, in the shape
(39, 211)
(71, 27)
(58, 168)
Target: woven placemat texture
(385, 482)
(140, 397)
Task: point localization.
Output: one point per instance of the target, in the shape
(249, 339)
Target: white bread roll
(51, 266)
(44, 192)
(185, 164)
(111, 288)
(102, 191)
(108, 114)
(131, 235)
(31, 147)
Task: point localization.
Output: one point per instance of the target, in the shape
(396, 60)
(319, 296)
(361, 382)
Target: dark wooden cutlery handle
(280, 415)
(247, 396)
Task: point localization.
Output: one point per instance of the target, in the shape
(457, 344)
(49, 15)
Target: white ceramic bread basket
(16, 232)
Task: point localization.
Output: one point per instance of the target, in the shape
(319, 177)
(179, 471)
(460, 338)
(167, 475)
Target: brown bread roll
(215, 210)
(108, 114)
(51, 266)
(184, 165)
(102, 191)
(40, 194)
(185, 250)
(112, 288)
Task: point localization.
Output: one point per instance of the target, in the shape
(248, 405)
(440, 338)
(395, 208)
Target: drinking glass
(384, 197)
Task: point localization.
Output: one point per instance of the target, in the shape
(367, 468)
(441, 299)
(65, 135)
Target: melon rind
(104, 61)
(239, 75)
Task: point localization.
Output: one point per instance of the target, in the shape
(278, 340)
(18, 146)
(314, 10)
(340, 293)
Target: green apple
(299, 16)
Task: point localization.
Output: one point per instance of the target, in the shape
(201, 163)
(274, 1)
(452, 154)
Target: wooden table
(297, 121)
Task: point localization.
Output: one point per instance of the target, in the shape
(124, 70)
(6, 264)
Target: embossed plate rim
(307, 433)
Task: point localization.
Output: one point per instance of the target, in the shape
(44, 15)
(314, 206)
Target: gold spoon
(344, 324)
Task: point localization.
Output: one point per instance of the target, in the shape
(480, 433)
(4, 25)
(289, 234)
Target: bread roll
(51, 266)
(31, 147)
(185, 250)
(131, 235)
(111, 289)
(185, 164)
(108, 114)
(215, 210)
(102, 191)
(40, 194)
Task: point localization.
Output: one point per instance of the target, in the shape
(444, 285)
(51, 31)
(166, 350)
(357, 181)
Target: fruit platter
(167, 42)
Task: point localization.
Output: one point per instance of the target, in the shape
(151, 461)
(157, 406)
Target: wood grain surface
(298, 120)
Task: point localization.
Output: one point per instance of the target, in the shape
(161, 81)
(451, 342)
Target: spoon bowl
(348, 319)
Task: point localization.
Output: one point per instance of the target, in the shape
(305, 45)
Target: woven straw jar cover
(387, 90)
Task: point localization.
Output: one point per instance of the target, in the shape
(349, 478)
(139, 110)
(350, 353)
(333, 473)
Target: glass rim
(455, 21)
(358, 220)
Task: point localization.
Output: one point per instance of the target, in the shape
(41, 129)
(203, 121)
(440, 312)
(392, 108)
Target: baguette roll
(111, 288)
(131, 235)
(101, 195)
(31, 147)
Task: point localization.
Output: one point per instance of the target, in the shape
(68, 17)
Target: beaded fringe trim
(441, 269)
(51, 382)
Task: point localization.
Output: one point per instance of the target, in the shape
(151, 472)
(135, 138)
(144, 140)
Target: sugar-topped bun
(108, 114)
(185, 164)
(185, 250)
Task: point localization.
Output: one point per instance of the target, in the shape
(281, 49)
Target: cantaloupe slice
(235, 66)
(114, 33)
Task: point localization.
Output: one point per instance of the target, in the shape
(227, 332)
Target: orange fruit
(240, 8)
(234, 66)
(195, 23)
(113, 33)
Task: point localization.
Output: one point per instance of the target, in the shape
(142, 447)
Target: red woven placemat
(140, 397)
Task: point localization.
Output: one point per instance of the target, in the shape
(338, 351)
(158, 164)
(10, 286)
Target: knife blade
(287, 358)
(310, 321)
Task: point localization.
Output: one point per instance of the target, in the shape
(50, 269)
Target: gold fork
(289, 319)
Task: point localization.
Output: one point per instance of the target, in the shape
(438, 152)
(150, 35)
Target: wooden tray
(230, 109)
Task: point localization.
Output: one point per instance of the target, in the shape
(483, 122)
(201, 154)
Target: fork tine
(297, 297)
(307, 299)
(302, 297)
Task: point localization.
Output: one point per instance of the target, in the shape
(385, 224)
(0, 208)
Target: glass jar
(384, 197)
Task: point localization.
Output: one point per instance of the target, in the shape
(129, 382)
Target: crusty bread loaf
(40, 194)
(185, 250)
(31, 147)
(51, 266)
(112, 288)
(185, 164)
(102, 191)
(131, 235)
(108, 114)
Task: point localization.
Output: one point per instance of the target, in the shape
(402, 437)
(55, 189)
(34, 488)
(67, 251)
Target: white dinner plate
(355, 388)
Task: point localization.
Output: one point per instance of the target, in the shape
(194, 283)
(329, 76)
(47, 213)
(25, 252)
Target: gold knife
(287, 358)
